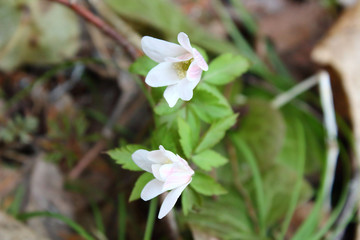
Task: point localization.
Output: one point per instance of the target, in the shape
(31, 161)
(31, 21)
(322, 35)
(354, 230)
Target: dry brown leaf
(9, 179)
(11, 229)
(340, 50)
(47, 194)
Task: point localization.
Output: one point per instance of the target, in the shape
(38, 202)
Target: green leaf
(206, 185)
(167, 18)
(165, 136)
(278, 182)
(189, 198)
(216, 132)
(162, 108)
(225, 69)
(139, 185)
(142, 65)
(194, 123)
(263, 130)
(122, 156)
(209, 104)
(314, 141)
(209, 159)
(225, 218)
(185, 137)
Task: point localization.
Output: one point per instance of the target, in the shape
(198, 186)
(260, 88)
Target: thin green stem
(121, 217)
(98, 218)
(143, 88)
(297, 188)
(151, 219)
(243, 150)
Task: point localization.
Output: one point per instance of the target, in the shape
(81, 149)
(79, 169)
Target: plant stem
(102, 26)
(121, 217)
(150, 219)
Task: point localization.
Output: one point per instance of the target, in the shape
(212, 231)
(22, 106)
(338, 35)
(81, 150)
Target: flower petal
(161, 171)
(163, 74)
(185, 88)
(156, 171)
(158, 50)
(200, 61)
(171, 95)
(170, 200)
(177, 178)
(184, 41)
(152, 189)
(185, 57)
(140, 157)
(170, 155)
(194, 72)
(159, 156)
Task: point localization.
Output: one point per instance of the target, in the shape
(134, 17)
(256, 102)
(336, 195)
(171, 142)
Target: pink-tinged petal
(200, 61)
(181, 58)
(184, 41)
(152, 189)
(165, 171)
(140, 158)
(170, 200)
(185, 89)
(194, 72)
(158, 50)
(171, 95)
(158, 157)
(163, 74)
(177, 179)
(185, 165)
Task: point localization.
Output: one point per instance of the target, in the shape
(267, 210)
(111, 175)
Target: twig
(289, 95)
(87, 159)
(101, 25)
(323, 80)
(129, 90)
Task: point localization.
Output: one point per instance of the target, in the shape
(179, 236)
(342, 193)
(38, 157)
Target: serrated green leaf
(206, 185)
(216, 132)
(122, 156)
(225, 218)
(209, 159)
(142, 65)
(139, 185)
(165, 136)
(194, 124)
(263, 130)
(189, 198)
(225, 69)
(185, 137)
(209, 104)
(162, 108)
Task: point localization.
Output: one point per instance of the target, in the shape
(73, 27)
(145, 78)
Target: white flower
(171, 172)
(179, 68)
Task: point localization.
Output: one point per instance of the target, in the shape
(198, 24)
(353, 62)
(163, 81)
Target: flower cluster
(171, 172)
(180, 67)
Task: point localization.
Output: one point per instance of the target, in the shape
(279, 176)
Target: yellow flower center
(182, 67)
